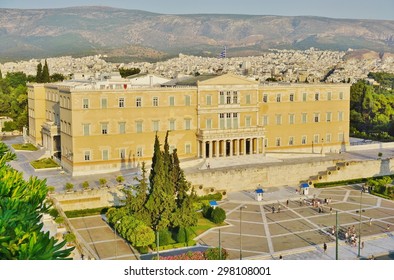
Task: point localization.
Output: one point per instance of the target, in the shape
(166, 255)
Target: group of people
(350, 236)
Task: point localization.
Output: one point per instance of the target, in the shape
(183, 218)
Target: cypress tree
(45, 73)
(1, 75)
(156, 154)
(39, 73)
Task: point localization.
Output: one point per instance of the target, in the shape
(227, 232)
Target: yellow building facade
(103, 127)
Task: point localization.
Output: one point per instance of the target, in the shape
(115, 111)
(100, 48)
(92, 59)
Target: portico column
(217, 148)
(231, 147)
(244, 147)
(204, 154)
(210, 148)
(236, 147)
(263, 147)
(198, 148)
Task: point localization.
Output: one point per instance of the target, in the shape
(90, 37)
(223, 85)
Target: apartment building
(103, 126)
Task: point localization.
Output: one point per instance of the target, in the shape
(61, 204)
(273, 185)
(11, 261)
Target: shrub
(218, 215)
(120, 179)
(165, 237)
(213, 254)
(85, 185)
(69, 187)
(214, 196)
(70, 237)
(207, 211)
(182, 235)
(102, 182)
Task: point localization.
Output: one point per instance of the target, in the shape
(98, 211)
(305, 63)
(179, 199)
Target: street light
(116, 244)
(359, 226)
(240, 230)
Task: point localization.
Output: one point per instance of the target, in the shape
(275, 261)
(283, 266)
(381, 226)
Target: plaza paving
(299, 230)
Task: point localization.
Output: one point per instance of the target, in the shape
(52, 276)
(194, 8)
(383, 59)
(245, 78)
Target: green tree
(1, 75)
(102, 182)
(22, 205)
(57, 77)
(218, 215)
(120, 179)
(39, 78)
(125, 72)
(136, 199)
(45, 73)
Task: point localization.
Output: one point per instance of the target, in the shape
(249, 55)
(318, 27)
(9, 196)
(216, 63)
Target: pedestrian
(388, 227)
(330, 210)
(370, 221)
(273, 209)
(325, 247)
(362, 245)
(279, 208)
(300, 202)
(280, 257)
(287, 203)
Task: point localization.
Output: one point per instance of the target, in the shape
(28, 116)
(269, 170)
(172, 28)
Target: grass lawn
(43, 163)
(24, 147)
(203, 225)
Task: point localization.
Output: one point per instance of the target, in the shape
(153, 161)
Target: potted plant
(59, 220)
(120, 179)
(69, 187)
(85, 185)
(70, 238)
(102, 182)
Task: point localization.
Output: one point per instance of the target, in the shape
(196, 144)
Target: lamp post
(116, 244)
(240, 230)
(359, 226)
(336, 235)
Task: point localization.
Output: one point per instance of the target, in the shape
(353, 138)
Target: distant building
(108, 125)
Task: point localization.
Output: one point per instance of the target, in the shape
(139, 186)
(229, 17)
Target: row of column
(230, 147)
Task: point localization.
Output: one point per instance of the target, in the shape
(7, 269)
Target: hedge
(86, 212)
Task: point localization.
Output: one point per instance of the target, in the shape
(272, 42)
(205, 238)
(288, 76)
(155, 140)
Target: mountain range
(136, 35)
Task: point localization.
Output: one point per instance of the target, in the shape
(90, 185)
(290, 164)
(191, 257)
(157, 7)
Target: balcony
(247, 132)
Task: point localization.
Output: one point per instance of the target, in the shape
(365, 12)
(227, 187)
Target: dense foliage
(372, 111)
(125, 72)
(22, 204)
(163, 205)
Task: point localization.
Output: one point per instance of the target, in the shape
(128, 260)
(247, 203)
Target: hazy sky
(365, 9)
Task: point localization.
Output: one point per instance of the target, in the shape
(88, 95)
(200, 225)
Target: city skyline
(379, 9)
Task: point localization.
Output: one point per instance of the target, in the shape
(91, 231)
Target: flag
(223, 54)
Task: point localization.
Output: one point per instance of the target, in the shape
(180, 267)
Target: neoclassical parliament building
(103, 125)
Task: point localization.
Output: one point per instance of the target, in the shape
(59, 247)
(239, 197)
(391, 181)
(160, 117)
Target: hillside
(88, 30)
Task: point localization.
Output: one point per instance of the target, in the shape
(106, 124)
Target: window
(235, 97)
(138, 102)
(265, 120)
(221, 120)
(188, 148)
(341, 96)
(291, 97)
(340, 116)
(328, 116)
(104, 103)
(278, 97)
(304, 96)
(221, 99)
(104, 128)
(187, 124)
(85, 103)
(209, 123)
(140, 151)
(172, 124)
(228, 97)
(304, 117)
(228, 120)
(138, 126)
(87, 155)
(187, 100)
(86, 129)
(277, 142)
(122, 128)
(235, 120)
(278, 119)
(317, 96)
(105, 154)
(122, 153)
(247, 121)
(156, 125)
(155, 101)
(121, 102)
(304, 140)
(291, 119)
(265, 98)
(329, 96)
(248, 99)
(209, 99)
(291, 141)
(328, 138)
(316, 117)
(172, 100)
(341, 137)
(316, 138)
